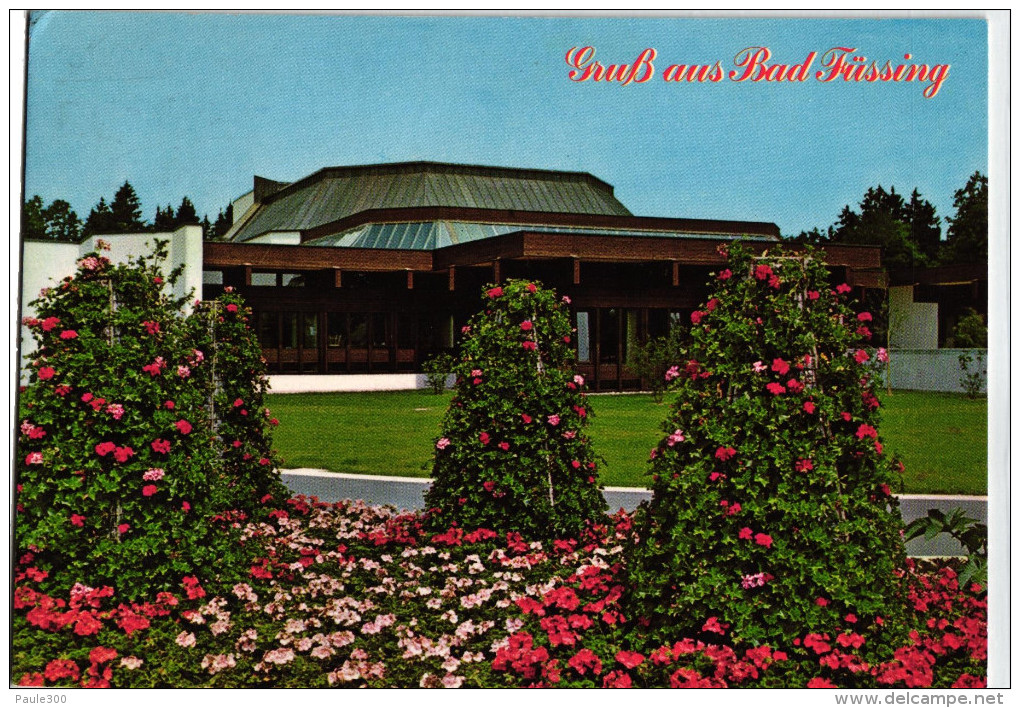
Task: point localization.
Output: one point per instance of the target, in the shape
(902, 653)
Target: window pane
(268, 335)
(267, 280)
(609, 332)
(292, 280)
(583, 338)
(336, 329)
(359, 330)
(310, 331)
(380, 329)
(290, 329)
(212, 277)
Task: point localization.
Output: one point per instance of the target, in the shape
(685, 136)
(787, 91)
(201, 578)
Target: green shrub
(514, 455)
(973, 382)
(119, 468)
(437, 369)
(772, 509)
(653, 360)
(970, 331)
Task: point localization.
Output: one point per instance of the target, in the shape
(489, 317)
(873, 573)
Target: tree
(884, 220)
(100, 220)
(62, 223)
(206, 226)
(967, 240)
(925, 226)
(165, 220)
(224, 220)
(772, 513)
(33, 221)
(186, 214)
(126, 211)
(513, 455)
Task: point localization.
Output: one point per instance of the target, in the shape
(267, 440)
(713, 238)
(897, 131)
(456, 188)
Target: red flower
(861, 356)
(50, 323)
(813, 294)
(696, 316)
(630, 659)
(169, 405)
(763, 539)
(185, 507)
(231, 308)
(864, 317)
(123, 528)
(68, 334)
(763, 272)
(809, 407)
(183, 426)
(46, 373)
(525, 417)
(745, 534)
(526, 325)
(584, 660)
(123, 454)
(102, 654)
(712, 304)
(712, 624)
(795, 386)
(780, 367)
(821, 601)
(105, 448)
(77, 520)
(504, 446)
(775, 389)
(162, 446)
(843, 288)
(532, 288)
(726, 274)
(529, 345)
(483, 438)
(803, 465)
(866, 431)
(819, 682)
(148, 490)
(725, 453)
(494, 292)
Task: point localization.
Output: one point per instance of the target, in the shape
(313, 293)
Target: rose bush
(772, 507)
(513, 454)
(119, 467)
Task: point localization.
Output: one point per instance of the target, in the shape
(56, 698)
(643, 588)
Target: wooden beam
(410, 280)
(452, 278)
(337, 278)
(577, 271)
(676, 274)
(497, 270)
(247, 273)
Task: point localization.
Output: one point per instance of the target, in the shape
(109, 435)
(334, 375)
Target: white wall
(304, 383)
(912, 325)
(932, 369)
(279, 238)
(46, 263)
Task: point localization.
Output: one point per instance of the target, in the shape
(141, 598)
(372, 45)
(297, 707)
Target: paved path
(408, 493)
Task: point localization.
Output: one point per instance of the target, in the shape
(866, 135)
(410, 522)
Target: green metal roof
(338, 192)
(430, 235)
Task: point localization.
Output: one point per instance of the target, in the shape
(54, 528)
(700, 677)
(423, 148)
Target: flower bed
(356, 595)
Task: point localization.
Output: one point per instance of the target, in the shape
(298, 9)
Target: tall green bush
(514, 455)
(120, 470)
(772, 513)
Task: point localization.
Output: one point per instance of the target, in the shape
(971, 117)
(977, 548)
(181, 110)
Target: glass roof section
(431, 235)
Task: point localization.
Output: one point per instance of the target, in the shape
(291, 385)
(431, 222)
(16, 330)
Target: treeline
(122, 215)
(910, 232)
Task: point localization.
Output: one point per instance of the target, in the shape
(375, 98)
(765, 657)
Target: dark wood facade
(330, 310)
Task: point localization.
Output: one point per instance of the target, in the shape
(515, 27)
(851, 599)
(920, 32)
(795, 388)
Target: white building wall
(934, 369)
(912, 325)
(46, 263)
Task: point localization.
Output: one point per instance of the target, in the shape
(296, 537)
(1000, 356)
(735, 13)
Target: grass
(941, 437)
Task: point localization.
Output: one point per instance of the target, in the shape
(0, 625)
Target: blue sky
(196, 104)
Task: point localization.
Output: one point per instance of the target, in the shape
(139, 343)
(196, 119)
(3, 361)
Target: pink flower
(183, 426)
(712, 624)
(116, 410)
(745, 534)
(50, 323)
(123, 528)
(775, 389)
(151, 327)
(813, 294)
(169, 405)
(465, 329)
(821, 601)
(46, 373)
(185, 507)
(148, 490)
(153, 474)
(809, 407)
(566, 299)
(759, 367)
(672, 373)
(77, 520)
(185, 639)
(443, 443)
(579, 380)
(504, 446)
(526, 325)
(494, 292)
(763, 539)
(803, 465)
(68, 334)
(553, 420)
(34, 458)
(531, 288)
(795, 386)
(630, 659)
(724, 453)
(725, 274)
(712, 304)
(696, 317)
(525, 417)
(819, 682)
(864, 317)
(529, 345)
(183, 371)
(866, 431)
(231, 308)
(883, 355)
(843, 288)
(157, 280)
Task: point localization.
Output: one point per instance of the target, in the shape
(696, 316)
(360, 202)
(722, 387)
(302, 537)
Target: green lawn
(941, 438)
